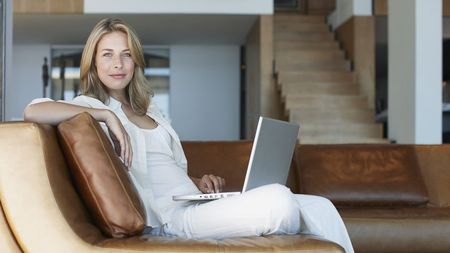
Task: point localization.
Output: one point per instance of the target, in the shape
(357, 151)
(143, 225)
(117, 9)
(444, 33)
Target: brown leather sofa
(393, 198)
(42, 212)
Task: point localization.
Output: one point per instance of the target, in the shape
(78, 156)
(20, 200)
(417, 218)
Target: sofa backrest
(227, 159)
(362, 175)
(37, 194)
(434, 161)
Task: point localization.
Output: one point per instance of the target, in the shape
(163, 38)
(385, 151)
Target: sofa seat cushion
(362, 175)
(402, 230)
(396, 213)
(284, 243)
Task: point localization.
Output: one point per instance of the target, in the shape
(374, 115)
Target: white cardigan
(155, 217)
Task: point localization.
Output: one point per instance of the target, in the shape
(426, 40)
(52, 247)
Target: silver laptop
(270, 158)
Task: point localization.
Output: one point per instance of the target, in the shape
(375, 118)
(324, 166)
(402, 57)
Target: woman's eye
(107, 54)
(127, 54)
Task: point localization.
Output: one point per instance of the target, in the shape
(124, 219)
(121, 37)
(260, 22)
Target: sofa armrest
(41, 206)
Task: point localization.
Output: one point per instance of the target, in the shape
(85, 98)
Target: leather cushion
(361, 175)
(434, 161)
(101, 178)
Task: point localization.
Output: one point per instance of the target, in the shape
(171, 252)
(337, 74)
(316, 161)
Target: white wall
(345, 9)
(258, 7)
(204, 88)
(27, 78)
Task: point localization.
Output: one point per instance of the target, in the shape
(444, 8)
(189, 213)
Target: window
(158, 73)
(65, 73)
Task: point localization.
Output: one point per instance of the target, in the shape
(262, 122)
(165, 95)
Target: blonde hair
(138, 91)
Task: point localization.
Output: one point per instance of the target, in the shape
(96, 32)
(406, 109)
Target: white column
(415, 71)
(6, 81)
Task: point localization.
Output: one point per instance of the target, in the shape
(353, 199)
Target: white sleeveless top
(166, 178)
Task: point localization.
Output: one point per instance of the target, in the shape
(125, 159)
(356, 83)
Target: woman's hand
(120, 137)
(209, 183)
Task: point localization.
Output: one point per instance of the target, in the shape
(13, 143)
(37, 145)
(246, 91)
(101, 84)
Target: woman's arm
(53, 113)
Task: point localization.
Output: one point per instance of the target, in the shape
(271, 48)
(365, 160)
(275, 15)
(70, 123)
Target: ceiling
(153, 29)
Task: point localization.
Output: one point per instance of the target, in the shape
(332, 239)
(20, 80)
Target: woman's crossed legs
(270, 209)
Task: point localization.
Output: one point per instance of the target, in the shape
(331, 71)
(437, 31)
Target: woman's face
(114, 64)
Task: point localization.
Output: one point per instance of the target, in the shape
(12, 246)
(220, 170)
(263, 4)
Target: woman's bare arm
(53, 113)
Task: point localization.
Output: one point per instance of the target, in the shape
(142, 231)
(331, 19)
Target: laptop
(270, 158)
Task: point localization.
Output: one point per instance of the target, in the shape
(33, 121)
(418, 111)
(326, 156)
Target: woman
(116, 93)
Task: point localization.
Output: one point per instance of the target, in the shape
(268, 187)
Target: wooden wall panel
(345, 34)
(320, 6)
(446, 8)
(253, 79)
(357, 36)
(364, 55)
(380, 7)
(270, 98)
(262, 97)
(48, 6)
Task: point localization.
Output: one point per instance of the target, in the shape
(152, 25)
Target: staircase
(317, 85)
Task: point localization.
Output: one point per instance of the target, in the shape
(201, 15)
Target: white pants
(270, 209)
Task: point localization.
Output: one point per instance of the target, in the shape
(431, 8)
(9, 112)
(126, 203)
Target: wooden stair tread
(371, 130)
(334, 116)
(315, 76)
(286, 46)
(319, 89)
(302, 27)
(327, 55)
(290, 18)
(341, 140)
(307, 37)
(335, 65)
(318, 101)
